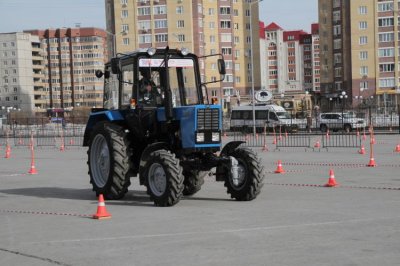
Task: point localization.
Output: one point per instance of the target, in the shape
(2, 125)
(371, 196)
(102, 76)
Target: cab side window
(127, 84)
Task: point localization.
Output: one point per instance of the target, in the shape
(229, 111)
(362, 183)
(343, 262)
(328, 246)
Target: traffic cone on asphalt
(371, 162)
(101, 209)
(362, 149)
(62, 147)
(317, 144)
(274, 141)
(279, 169)
(397, 148)
(265, 148)
(71, 141)
(331, 180)
(33, 170)
(8, 152)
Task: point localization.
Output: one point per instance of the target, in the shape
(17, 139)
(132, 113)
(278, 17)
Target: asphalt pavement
(46, 218)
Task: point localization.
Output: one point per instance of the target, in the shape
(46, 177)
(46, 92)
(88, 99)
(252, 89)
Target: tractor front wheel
(250, 175)
(164, 178)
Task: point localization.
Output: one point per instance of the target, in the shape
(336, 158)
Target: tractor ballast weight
(156, 124)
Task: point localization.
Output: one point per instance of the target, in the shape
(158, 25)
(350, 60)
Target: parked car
(340, 121)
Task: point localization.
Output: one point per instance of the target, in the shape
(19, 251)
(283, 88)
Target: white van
(269, 116)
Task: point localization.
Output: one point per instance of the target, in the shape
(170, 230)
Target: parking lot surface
(46, 218)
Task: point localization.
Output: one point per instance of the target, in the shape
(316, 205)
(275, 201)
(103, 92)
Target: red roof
(272, 27)
(261, 31)
(315, 28)
(295, 35)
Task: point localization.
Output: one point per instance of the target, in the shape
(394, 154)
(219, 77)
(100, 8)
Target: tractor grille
(208, 119)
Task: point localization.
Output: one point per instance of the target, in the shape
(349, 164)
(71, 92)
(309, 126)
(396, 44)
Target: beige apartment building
(203, 26)
(359, 52)
(70, 57)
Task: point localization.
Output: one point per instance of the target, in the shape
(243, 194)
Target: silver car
(337, 121)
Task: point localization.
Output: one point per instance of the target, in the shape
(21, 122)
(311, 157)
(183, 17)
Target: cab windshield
(283, 115)
(182, 78)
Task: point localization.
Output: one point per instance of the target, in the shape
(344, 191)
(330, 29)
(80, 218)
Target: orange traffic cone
(362, 149)
(101, 209)
(62, 147)
(331, 180)
(265, 148)
(371, 162)
(8, 152)
(279, 169)
(274, 141)
(71, 141)
(397, 148)
(317, 144)
(33, 170)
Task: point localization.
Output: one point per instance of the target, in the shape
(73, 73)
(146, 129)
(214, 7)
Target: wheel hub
(100, 161)
(157, 179)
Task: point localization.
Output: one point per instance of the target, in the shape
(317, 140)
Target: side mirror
(115, 65)
(221, 66)
(99, 73)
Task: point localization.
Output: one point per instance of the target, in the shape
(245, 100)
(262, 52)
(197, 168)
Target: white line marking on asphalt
(266, 228)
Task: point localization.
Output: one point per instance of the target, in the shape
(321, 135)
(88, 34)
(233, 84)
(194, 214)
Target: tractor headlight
(151, 51)
(200, 137)
(215, 137)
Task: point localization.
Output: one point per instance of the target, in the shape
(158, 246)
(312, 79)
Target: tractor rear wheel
(164, 178)
(250, 175)
(108, 161)
(194, 179)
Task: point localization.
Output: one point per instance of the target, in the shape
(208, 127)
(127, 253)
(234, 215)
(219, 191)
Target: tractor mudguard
(146, 154)
(99, 117)
(230, 147)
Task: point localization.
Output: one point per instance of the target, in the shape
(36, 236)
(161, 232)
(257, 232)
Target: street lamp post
(252, 65)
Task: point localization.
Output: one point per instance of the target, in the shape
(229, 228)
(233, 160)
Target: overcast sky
(18, 15)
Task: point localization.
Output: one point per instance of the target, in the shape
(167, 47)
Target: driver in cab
(148, 93)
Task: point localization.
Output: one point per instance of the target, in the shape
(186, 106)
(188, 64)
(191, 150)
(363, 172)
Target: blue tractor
(156, 123)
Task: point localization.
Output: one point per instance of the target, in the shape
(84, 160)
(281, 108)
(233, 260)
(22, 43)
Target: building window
(160, 24)
(161, 37)
(363, 55)
(225, 24)
(125, 28)
(364, 85)
(180, 24)
(179, 10)
(383, 7)
(362, 10)
(363, 25)
(385, 22)
(145, 38)
(228, 91)
(226, 37)
(387, 83)
(225, 10)
(181, 37)
(159, 10)
(124, 13)
(364, 70)
(386, 37)
(386, 52)
(386, 67)
(363, 40)
(226, 51)
(143, 11)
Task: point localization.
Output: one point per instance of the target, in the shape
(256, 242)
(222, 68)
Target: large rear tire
(109, 161)
(251, 175)
(164, 178)
(194, 179)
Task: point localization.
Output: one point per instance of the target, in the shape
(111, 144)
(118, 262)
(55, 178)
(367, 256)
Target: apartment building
(20, 72)
(203, 26)
(71, 57)
(291, 65)
(359, 51)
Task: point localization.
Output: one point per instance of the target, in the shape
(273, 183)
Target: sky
(19, 15)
